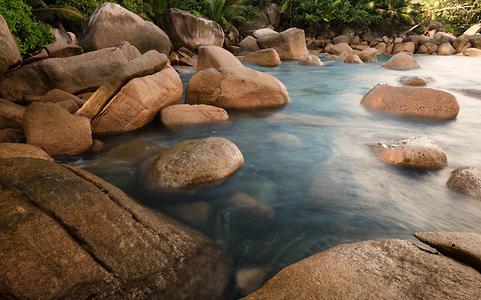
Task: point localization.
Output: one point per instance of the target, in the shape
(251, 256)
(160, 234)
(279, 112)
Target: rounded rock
(265, 57)
(188, 115)
(310, 60)
(402, 61)
(12, 150)
(466, 180)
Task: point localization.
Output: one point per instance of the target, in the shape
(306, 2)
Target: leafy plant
(28, 31)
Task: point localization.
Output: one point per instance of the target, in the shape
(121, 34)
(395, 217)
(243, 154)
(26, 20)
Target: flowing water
(307, 165)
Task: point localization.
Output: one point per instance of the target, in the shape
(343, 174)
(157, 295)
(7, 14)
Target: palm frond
(58, 13)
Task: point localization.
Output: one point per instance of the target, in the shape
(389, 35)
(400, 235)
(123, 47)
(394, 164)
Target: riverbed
(308, 170)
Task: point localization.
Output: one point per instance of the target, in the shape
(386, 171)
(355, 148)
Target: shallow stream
(308, 166)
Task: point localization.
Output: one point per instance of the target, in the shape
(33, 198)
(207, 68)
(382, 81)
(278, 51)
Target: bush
(30, 34)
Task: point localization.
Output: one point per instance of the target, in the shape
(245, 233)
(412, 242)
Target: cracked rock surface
(65, 233)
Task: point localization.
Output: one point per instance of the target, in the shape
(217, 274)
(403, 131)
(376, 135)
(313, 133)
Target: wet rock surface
(67, 234)
(466, 180)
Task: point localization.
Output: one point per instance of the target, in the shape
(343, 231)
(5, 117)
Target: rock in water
(310, 60)
(461, 246)
(384, 269)
(264, 57)
(189, 115)
(216, 57)
(401, 61)
(412, 153)
(474, 52)
(9, 54)
(413, 81)
(339, 48)
(138, 102)
(72, 74)
(57, 131)
(446, 49)
(12, 150)
(236, 88)
(290, 44)
(68, 234)
(192, 164)
(186, 30)
(412, 102)
(111, 24)
(466, 180)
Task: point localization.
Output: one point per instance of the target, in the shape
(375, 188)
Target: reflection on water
(311, 180)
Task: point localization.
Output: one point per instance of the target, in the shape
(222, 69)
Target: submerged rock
(12, 150)
(413, 81)
(384, 269)
(249, 279)
(188, 115)
(216, 57)
(192, 164)
(401, 61)
(264, 57)
(187, 30)
(412, 153)
(236, 88)
(57, 131)
(69, 234)
(466, 180)
(310, 60)
(290, 44)
(461, 246)
(412, 102)
(111, 24)
(9, 54)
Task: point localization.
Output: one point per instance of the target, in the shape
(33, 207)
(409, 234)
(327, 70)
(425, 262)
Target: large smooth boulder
(461, 246)
(412, 102)
(138, 102)
(67, 234)
(9, 54)
(187, 30)
(72, 74)
(408, 47)
(401, 61)
(192, 164)
(264, 32)
(12, 150)
(216, 57)
(191, 115)
(57, 131)
(249, 44)
(290, 44)
(474, 52)
(111, 24)
(236, 88)
(466, 180)
(446, 49)
(412, 153)
(382, 269)
(11, 114)
(339, 48)
(265, 57)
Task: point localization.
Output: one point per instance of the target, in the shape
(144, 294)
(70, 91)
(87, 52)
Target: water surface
(309, 165)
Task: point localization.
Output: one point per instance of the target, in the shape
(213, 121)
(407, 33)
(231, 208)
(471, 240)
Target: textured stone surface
(111, 24)
(466, 180)
(57, 131)
(72, 74)
(310, 60)
(413, 81)
(412, 102)
(290, 44)
(249, 44)
(11, 114)
(462, 246)
(191, 164)
(11, 150)
(9, 54)
(68, 234)
(385, 269)
(190, 115)
(138, 102)
(475, 52)
(401, 61)
(186, 30)
(216, 57)
(412, 153)
(265, 57)
(236, 88)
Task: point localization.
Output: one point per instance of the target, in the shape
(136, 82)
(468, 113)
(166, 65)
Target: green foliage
(29, 33)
